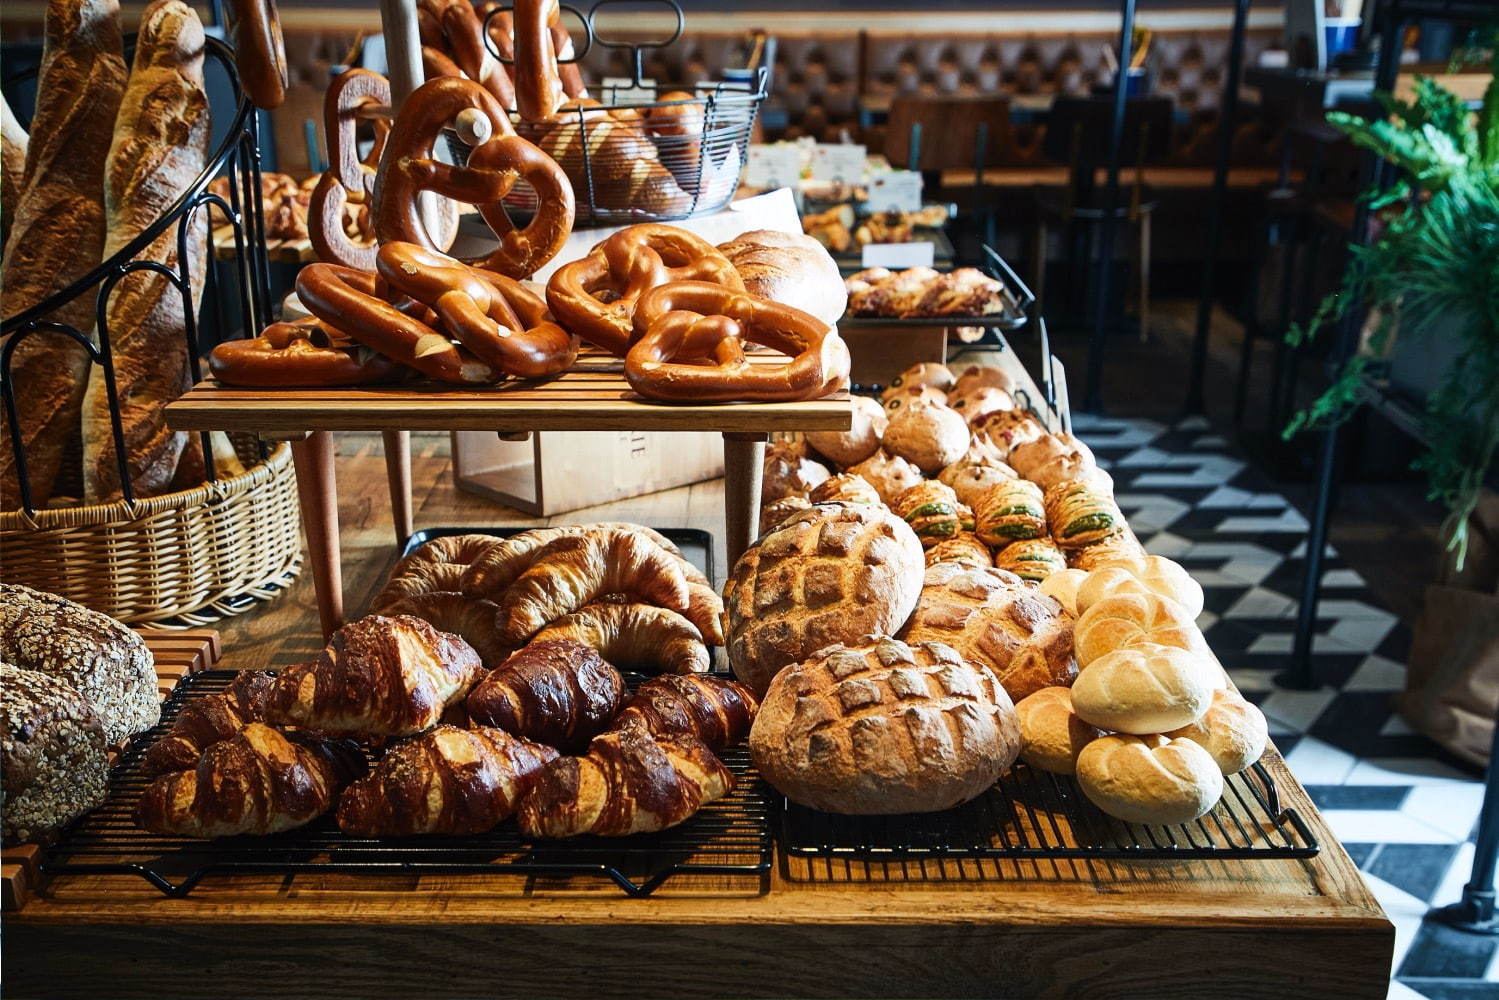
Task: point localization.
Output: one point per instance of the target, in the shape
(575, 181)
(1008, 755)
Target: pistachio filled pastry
(1033, 559)
(963, 548)
(846, 487)
(1081, 514)
(931, 509)
(1010, 512)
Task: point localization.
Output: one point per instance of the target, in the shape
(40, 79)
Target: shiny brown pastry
(434, 567)
(772, 514)
(889, 474)
(636, 637)
(495, 568)
(555, 691)
(206, 721)
(788, 474)
(846, 448)
(928, 436)
(705, 612)
(829, 574)
(1080, 515)
(1032, 559)
(880, 727)
(931, 509)
(259, 782)
(966, 291)
(1010, 511)
(996, 622)
(846, 487)
(53, 756)
(377, 677)
(629, 782)
(971, 480)
(714, 710)
(446, 781)
(474, 620)
(964, 549)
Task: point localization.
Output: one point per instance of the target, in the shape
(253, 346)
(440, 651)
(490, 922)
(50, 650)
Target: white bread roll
(1051, 734)
(1232, 731)
(929, 436)
(1123, 620)
(1143, 689)
(1164, 578)
(1063, 588)
(1149, 779)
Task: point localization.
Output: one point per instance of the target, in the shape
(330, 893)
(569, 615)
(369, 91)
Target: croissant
(576, 570)
(635, 637)
(630, 782)
(705, 610)
(502, 564)
(377, 677)
(447, 781)
(715, 710)
(437, 566)
(560, 693)
(210, 720)
(474, 620)
(261, 781)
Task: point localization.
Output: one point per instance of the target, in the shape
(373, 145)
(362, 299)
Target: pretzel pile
(349, 181)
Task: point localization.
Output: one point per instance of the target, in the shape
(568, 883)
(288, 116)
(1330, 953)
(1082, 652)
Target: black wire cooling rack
(730, 837)
(1032, 814)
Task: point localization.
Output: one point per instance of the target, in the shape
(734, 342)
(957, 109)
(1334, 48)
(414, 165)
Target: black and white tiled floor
(1403, 809)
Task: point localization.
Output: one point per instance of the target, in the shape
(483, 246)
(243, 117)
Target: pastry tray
(1031, 814)
(730, 837)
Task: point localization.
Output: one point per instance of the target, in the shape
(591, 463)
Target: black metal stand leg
(1475, 912)
(1300, 674)
(1227, 114)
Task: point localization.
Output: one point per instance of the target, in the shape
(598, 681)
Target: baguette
(13, 141)
(160, 147)
(57, 232)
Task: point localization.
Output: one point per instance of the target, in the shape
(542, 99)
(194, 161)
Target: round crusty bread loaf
(1051, 734)
(862, 439)
(1062, 587)
(926, 435)
(1143, 689)
(52, 752)
(1153, 574)
(790, 268)
(105, 662)
(880, 727)
(1232, 731)
(1122, 620)
(1149, 779)
(995, 621)
(830, 574)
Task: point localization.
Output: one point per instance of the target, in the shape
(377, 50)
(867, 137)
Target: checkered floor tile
(1404, 809)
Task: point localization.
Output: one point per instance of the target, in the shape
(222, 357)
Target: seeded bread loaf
(881, 727)
(52, 752)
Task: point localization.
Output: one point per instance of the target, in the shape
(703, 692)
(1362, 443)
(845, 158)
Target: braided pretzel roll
(483, 311)
(259, 54)
(595, 296)
(691, 319)
(347, 180)
(304, 353)
(346, 299)
(538, 84)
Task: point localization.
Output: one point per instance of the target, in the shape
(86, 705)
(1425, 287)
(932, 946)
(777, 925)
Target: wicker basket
(194, 556)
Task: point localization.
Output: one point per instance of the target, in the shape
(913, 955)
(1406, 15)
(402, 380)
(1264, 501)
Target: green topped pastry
(1033, 559)
(932, 510)
(1081, 514)
(1010, 512)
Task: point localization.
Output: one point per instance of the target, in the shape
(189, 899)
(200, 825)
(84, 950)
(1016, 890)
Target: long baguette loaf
(160, 146)
(13, 141)
(57, 233)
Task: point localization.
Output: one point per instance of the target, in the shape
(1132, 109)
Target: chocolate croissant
(210, 720)
(261, 781)
(717, 711)
(445, 781)
(377, 677)
(630, 782)
(635, 637)
(556, 692)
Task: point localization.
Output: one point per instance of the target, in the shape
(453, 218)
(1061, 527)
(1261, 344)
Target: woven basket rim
(121, 512)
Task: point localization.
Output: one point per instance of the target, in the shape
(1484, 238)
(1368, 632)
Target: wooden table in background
(592, 397)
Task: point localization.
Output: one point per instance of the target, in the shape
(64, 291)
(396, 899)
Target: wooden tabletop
(593, 396)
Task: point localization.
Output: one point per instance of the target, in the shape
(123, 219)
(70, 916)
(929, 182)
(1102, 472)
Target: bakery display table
(594, 396)
(1234, 928)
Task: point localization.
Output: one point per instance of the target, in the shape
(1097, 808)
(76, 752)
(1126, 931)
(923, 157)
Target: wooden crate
(177, 654)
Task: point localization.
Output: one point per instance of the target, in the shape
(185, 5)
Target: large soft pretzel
(538, 84)
(693, 319)
(595, 295)
(303, 353)
(259, 53)
(347, 179)
(495, 317)
(465, 37)
(345, 299)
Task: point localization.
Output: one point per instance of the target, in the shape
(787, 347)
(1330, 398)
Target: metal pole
(1476, 912)
(1228, 111)
(1299, 672)
(1093, 395)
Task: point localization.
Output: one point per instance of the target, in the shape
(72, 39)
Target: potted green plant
(1433, 271)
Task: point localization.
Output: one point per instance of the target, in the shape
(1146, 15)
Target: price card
(838, 161)
(898, 256)
(622, 90)
(773, 165)
(895, 191)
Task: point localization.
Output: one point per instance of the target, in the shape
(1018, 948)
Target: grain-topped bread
(52, 751)
(996, 622)
(881, 727)
(830, 574)
(1149, 779)
(105, 662)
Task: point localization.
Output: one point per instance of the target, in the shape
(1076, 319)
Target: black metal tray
(1035, 815)
(730, 837)
(696, 544)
